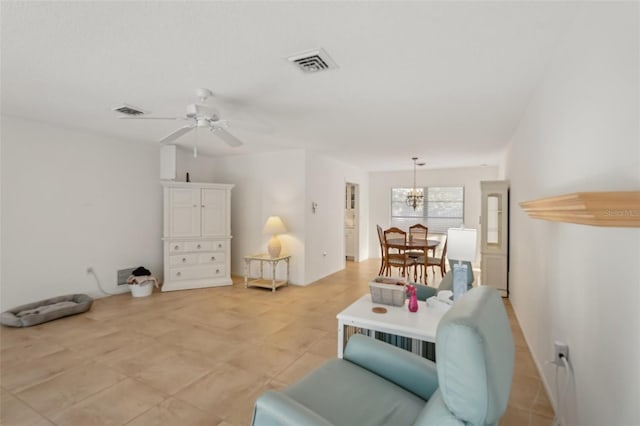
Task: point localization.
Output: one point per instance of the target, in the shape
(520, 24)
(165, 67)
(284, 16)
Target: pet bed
(46, 310)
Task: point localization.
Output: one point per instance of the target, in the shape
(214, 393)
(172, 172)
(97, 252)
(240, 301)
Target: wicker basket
(387, 294)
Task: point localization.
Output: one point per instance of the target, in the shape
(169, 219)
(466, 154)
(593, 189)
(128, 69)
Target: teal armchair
(424, 292)
(379, 384)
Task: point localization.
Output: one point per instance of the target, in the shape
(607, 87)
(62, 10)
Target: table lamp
(461, 243)
(273, 227)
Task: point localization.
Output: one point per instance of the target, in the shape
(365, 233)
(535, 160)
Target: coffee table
(416, 327)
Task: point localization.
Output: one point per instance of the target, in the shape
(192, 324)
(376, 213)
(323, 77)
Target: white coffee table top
(397, 320)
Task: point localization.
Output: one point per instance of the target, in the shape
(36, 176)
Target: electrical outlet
(560, 350)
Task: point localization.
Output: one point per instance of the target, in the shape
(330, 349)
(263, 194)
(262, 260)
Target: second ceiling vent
(313, 61)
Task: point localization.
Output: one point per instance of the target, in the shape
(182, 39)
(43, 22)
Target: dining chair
(396, 251)
(433, 261)
(383, 251)
(417, 232)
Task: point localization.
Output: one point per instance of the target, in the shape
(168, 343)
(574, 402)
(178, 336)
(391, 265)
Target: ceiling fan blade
(150, 118)
(176, 134)
(227, 137)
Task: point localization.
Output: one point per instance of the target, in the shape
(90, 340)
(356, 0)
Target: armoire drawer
(199, 245)
(218, 245)
(197, 272)
(176, 246)
(184, 259)
(213, 257)
(196, 246)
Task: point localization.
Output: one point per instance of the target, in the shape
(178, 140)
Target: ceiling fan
(199, 116)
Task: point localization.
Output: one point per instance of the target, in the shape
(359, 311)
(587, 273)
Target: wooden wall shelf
(619, 209)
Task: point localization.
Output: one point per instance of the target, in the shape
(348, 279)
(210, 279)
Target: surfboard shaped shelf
(615, 209)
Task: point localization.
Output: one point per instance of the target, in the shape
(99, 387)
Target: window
(443, 208)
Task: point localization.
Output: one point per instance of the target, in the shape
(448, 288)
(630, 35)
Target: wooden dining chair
(417, 232)
(383, 251)
(396, 251)
(433, 261)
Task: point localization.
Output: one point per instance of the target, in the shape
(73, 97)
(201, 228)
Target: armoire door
(214, 217)
(184, 204)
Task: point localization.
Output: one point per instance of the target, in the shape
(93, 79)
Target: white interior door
(351, 221)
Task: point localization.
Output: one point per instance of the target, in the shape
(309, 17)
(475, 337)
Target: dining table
(413, 244)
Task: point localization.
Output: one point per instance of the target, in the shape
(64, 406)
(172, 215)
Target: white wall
(380, 184)
(285, 183)
(326, 180)
(574, 283)
(266, 184)
(200, 169)
(72, 199)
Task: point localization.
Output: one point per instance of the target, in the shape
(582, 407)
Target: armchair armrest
(275, 408)
(411, 372)
(423, 292)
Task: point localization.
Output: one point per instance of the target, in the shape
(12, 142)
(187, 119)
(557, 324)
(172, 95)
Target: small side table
(262, 282)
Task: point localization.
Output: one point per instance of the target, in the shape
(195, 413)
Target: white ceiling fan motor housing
(202, 111)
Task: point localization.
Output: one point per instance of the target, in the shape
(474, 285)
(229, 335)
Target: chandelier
(415, 198)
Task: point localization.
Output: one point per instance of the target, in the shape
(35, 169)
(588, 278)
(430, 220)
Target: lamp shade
(274, 226)
(461, 244)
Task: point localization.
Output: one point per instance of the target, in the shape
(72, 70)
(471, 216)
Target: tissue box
(387, 294)
(434, 302)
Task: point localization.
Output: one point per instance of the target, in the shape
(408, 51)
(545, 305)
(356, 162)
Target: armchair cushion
(475, 355)
(375, 383)
(415, 374)
(275, 408)
(345, 394)
(437, 413)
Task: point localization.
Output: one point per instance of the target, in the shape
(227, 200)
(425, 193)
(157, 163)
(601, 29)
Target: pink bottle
(413, 299)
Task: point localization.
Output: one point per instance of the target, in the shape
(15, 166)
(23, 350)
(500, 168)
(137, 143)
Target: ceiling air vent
(313, 61)
(129, 110)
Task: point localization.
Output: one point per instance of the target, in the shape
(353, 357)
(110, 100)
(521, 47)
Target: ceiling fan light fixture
(200, 110)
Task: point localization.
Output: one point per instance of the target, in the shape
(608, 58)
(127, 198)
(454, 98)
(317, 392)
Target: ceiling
(444, 81)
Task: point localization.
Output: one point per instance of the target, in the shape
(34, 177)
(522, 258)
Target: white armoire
(494, 247)
(196, 235)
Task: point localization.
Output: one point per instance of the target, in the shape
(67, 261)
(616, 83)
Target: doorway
(351, 214)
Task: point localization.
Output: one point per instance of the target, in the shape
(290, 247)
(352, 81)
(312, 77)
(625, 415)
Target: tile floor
(195, 357)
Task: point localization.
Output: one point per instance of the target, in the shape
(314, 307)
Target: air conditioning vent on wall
(123, 274)
(313, 61)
